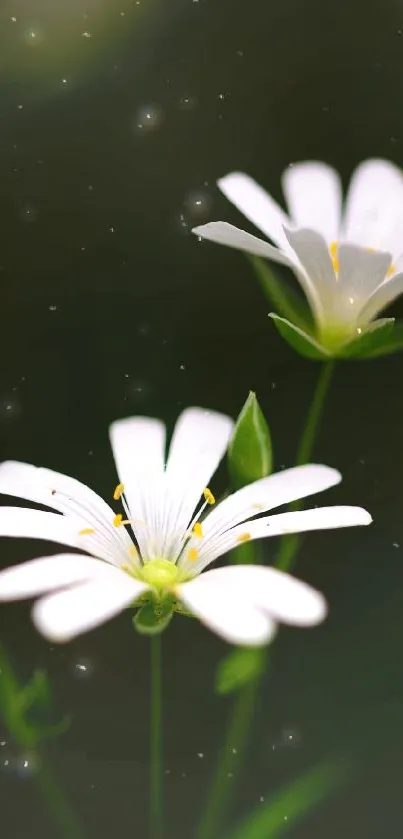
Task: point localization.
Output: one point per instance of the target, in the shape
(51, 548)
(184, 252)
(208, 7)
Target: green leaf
(371, 341)
(153, 617)
(37, 690)
(284, 299)
(299, 340)
(238, 668)
(268, 821)
(250, 449)
(48, 732)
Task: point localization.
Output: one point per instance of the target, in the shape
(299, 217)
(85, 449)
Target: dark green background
(97, 325)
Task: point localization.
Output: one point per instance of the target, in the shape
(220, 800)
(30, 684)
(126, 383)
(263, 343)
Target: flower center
(159, 573)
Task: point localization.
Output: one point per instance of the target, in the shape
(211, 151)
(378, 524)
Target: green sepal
(381, 337)
(154, 616)
(238, 668)
(290, 304)
(300, 341)
(250, 448)
(182, 610)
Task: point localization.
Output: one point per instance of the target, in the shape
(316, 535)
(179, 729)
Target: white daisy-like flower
(161, 545)
(349, 261)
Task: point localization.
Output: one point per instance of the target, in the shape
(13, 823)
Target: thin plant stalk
(156, 803)
(236, 735)
(242, 713)
(290, 544)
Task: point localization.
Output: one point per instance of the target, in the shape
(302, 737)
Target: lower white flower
(170, 546)
(349, 263)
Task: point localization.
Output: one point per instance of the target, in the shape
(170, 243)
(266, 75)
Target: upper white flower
(169, 546)
(348, 261)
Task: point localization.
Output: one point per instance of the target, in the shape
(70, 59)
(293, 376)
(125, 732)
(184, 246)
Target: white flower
(169, 546)
(349, 262)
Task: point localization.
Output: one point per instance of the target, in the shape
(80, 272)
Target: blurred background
(116, 119)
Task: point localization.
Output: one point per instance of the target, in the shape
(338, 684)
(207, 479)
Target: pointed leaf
(371, 341)
(284, 299)
(238, 668)
(250, 450)
(299, 340)
(153, 617)
(268, 821)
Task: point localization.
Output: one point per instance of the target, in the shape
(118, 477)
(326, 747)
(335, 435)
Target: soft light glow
(47, 38)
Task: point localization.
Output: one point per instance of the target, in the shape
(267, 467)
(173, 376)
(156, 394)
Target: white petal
(226, 234)
(62, 616)
(138, 446)
(225, 610)
(199, 442)
(397, 266)
(66, 530)
(321, 518)
(374, 207)
(314, 197)
(360, 273)
(265, 494)
(46, 574)
(77, 501)
(50, 488)
(318, 279)
(37, 524)
(256, 205)
(384, 295)
(267, 591)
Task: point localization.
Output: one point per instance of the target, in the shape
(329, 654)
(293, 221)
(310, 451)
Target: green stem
(235, 738)
(290, 544)
(57, 805)
(156, 741)
(241, 716)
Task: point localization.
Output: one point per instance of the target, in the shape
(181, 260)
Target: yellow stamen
(118, 521)
(86, 531)
(197, 530)
(243, 537)
(125, 567)
(193, 553)
(118, 492)
(133, 551)
(333, 255)
(208, 495)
